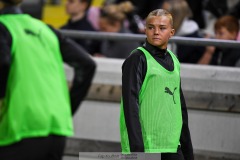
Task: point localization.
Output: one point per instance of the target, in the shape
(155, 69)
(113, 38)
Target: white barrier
(197, 78)
(211, 131)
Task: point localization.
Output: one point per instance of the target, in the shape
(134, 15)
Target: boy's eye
(150, 27)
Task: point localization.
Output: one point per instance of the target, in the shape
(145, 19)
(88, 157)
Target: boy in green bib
(153, 115)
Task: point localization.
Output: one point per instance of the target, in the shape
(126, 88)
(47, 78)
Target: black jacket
(72, 54)
(228, 57)
(190, 54)
(133, 73)
(92, 46)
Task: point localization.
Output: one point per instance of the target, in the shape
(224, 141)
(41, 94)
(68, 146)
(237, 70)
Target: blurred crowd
(197, 19)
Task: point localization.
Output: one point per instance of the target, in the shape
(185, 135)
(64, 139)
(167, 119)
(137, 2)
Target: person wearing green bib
(36, 107)
(153, 114)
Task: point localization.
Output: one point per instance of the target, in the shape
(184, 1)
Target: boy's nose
(156, 31)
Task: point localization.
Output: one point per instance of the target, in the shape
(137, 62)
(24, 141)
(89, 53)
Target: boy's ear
(172, 33)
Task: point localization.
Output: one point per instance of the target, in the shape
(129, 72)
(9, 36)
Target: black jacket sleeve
(84, 68)
(131, 84)
(5, 58)
(185, 139)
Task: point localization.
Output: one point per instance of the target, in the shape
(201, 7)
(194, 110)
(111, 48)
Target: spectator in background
(197, 11)
(36, 113)
(217, 8)
(226, 28)
(206, 12)
(111, 20)
(143, 7)
(77, 10)
(184, 27)
(135, 22)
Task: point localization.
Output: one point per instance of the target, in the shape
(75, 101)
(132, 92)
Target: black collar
(77, 22)
(155, 51)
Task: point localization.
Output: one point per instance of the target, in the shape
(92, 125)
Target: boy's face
(224, 34)
(159, 30)
(73, 7)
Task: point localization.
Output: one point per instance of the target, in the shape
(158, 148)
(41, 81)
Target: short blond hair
(161, 12)
(229, 22)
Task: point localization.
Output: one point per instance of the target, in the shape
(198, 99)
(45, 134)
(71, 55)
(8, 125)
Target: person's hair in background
(179, 10)
(112, 16)
(227, 28)
(185, 27)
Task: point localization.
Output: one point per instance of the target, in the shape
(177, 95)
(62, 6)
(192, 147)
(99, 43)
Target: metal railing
(141, 37)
